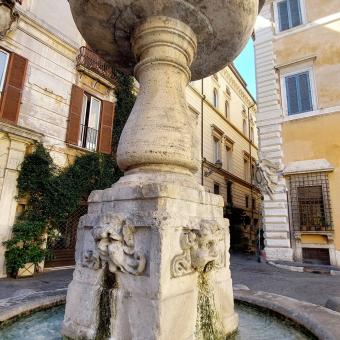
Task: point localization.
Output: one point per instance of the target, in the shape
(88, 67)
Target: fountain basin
(261, 315)
(255, 324)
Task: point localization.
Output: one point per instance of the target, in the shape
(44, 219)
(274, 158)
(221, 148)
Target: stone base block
(178, 232)
(283, 254)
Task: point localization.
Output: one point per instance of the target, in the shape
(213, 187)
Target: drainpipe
(202, 110)
(251, 172)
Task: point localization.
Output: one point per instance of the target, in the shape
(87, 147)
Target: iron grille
(63, 248)
(310, 202)
(88, 138)
(91, 61)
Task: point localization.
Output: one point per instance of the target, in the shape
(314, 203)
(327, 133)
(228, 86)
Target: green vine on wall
(52, 196)
(125, 101)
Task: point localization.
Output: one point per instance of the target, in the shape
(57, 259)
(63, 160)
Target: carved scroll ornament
(8, 15)
(115, 247)
(201, 247)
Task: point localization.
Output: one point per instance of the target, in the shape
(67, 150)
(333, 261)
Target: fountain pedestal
(152, 252)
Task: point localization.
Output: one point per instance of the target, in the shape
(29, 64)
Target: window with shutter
(106, 123)
(4, 57)
(90, 122)
(298, 93)
(12, 86)
(289, 14)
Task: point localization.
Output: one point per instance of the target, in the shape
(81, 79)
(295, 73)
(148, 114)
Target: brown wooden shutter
(74, 118)
(106, 121)
(15, 81)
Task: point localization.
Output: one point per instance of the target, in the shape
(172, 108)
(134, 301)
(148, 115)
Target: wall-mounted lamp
(218, 165)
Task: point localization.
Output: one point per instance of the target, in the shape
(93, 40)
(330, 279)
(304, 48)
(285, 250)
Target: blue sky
(245, 64)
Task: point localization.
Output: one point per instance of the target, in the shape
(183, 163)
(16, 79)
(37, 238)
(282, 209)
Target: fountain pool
(254, 324)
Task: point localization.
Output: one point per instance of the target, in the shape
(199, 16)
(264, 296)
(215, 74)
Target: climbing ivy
(52, 195)
(125, 101)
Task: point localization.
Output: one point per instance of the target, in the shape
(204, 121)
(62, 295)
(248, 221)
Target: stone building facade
(297, 50)
(225, 114)
(54, 90)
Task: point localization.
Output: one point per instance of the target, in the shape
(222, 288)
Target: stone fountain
(146, 241)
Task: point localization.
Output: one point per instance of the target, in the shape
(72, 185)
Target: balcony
(90, 63)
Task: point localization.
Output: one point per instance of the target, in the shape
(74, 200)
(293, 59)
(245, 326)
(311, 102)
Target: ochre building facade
(298, 71)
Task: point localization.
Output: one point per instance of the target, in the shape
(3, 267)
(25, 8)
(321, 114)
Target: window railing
(91, 61)
(88, 138)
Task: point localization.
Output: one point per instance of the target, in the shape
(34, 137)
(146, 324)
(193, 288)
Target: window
(230, 192)
(245, 127)
(216, 189)
(310, 202)
(215, 98)
(253, 203)
(217, 149)
(252, 134)
(298, 93)
(246, 169)
(226, 108)
(289, 14)
(89, 127)
(247, 201)
(4, 57)
(229, 158)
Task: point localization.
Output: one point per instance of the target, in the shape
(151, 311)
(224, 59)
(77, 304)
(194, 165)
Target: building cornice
(21, 132)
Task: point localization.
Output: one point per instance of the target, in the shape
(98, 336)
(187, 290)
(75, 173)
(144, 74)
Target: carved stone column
(158, 135)
(156, 292)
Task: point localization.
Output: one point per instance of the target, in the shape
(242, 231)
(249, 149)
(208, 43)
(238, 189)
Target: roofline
(242, 81)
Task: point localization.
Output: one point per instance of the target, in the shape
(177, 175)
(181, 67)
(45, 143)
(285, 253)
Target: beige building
(225, 114)
(298, 71)
(52, 90)
(56, 91)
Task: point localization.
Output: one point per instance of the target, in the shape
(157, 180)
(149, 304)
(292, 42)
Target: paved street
(314, 288)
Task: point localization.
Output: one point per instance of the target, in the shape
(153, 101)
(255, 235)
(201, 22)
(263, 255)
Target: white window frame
(294, 70)
(217, 149)
(277, 20)
(2, 82)
(229, 158)
(90, 145)
(215, 98)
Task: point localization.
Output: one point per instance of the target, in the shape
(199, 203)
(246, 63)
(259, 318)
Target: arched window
(227, 109)
(244, 127)
(215, 98)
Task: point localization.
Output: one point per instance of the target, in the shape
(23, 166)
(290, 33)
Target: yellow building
(298, 72)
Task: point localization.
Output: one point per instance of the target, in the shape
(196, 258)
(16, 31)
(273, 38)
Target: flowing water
(254, 325)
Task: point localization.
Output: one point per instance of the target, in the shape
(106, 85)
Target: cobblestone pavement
(314, 288)
(19, 291)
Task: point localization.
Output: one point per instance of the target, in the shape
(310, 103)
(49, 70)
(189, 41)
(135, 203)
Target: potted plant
(25, 250)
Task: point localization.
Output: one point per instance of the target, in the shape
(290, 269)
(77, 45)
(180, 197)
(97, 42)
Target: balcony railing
(88, 138)
(91, 61)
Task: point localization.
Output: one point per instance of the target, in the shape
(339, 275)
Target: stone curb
(322, 322)
(12, 313)
(302, 269)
